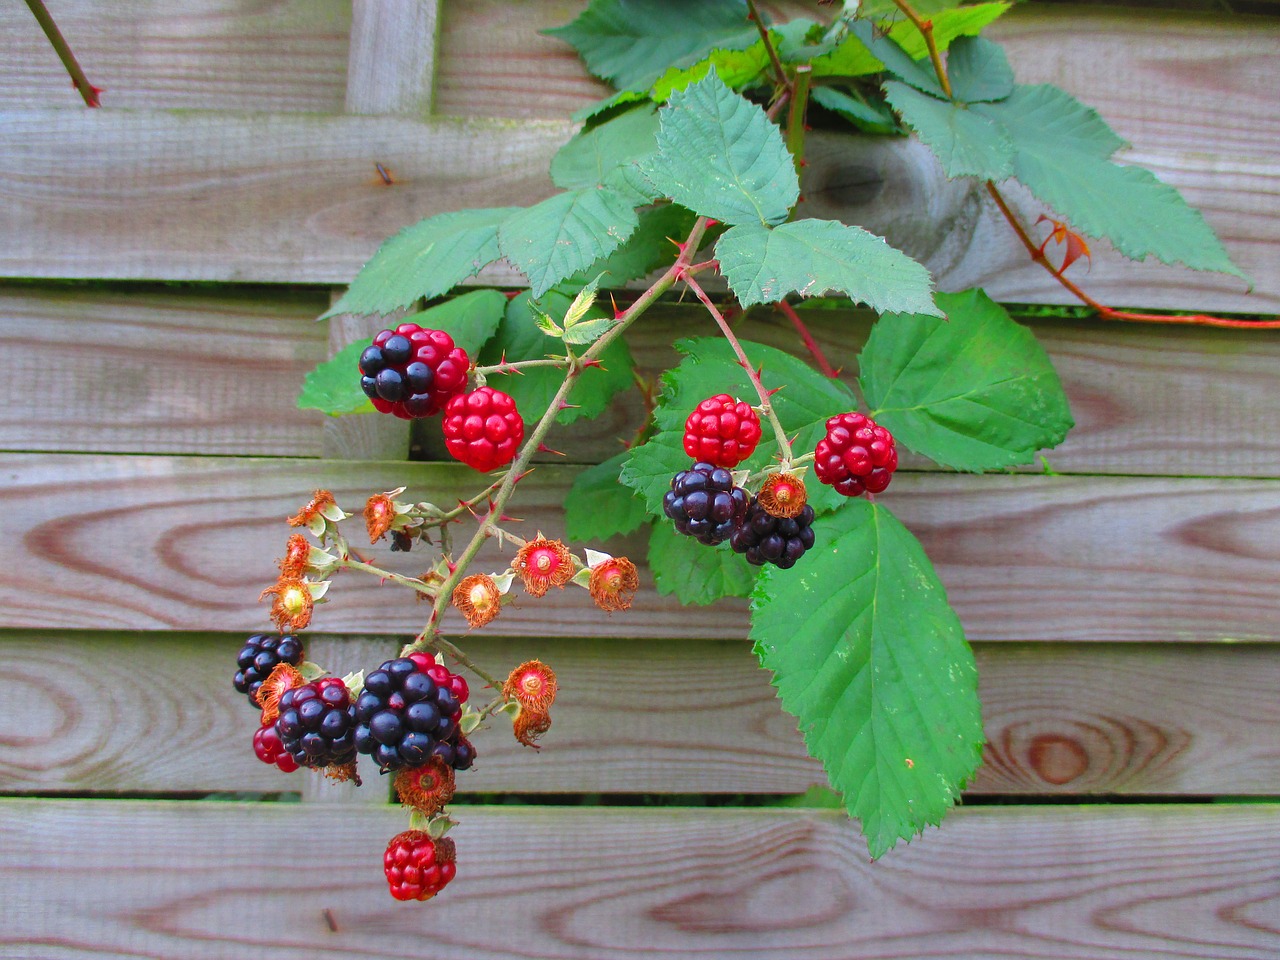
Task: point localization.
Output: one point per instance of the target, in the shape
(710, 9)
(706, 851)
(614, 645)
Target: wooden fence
(1124, 609)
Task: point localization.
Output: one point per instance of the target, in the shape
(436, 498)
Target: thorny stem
(766, 407)
(369, 568)
(925, 27)
(430, 635)
(78, 80)
(815, 351)
(515, 366)
(753, 14)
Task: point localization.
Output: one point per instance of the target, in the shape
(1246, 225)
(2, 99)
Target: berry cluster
(262, 653)
(764, 538)
(856, 456)
(409, 712)
(705, 504)
(316, 725)
(721, 431)
(483, 429)
(417, 865)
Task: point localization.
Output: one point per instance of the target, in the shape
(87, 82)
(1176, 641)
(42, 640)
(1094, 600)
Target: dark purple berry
(763, 538)
(705, 504)
(407, 709)
(261, 654)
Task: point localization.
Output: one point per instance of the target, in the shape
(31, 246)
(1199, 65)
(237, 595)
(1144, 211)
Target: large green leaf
(648, 248)
(967, 144)
(720, 156)
(1061, 150)
(649, 467)
(565, 233)
(866, 116)
(978, 70)
(599, 506)
(424, 261)
(737, 68)
(852, 58)
(694, 572)
(334, 385)
(632, 42)
(869, 657)
(470, 319)
(602, 154)
(973, 392)
(810, 257)
(519, 338)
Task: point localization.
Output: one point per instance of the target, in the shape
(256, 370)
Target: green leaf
(810, 257)
(595, 156)
(470, 319)
(920, 74)
(871, 118)
(1061, 156)
(334, 385)
(800, 40)
(633, 42)
(518, 338)
(869, 657)
(424, 261)
(978, 70)
(737, 68)
(852, 58)
(720, 156)
(695, 573)
(973, 392)
(599, 506)
(584, 114)
(967, 144)
(648, 248)
(563, 234)
(649, 467)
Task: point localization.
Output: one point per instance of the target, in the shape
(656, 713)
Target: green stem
(516, 366)
(86, 89)
(795, 114)
(412, 584)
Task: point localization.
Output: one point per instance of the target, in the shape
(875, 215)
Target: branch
(815, 351)
(926, 31)
(78, 80)
(753, 15)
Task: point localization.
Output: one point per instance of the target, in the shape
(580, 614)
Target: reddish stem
(87, 90)
(815, 351)
(754, 15)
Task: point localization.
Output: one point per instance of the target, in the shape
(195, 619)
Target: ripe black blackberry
(261, 654)
(317, 724)
(705, 504)
(408, 712)
(782, 541)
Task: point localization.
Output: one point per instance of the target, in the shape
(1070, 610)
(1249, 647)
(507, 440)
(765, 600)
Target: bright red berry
(268, 748)
(411, 372)
(417, 866)
(483, 429)
(721, 431)
(856, 456)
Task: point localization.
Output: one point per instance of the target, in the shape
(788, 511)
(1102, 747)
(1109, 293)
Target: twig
(815, 351)
(78, 80)
(753, 14)
(925, 27)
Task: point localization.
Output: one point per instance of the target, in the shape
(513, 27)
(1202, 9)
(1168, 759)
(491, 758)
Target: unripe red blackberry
(721, 431)
(417, 866)
(260, 655)
(856, 456)
(764, 538)
(411, 372)
(268, 748)
(409, 712)
(704, 503)
(317, 723)
(483, 429)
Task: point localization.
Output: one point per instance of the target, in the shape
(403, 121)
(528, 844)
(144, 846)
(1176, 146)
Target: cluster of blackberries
(764, 538)
(409, 712)
(261, 654)
(316, 725)
(705, 504)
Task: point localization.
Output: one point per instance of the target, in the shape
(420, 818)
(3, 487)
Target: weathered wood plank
(390, 69)
(159, 371)
(277, 55)
(103, 713)
(126, 878)
(1024, 558)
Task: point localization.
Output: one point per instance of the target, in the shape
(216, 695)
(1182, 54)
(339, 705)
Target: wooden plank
(391, 63)
(1023, 557)
(106, 713)
(159, 371)
(126, 878)
(286, 55)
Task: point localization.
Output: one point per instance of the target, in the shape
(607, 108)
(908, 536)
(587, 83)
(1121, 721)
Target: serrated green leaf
(720, 156)
(543, 322)
(974, 392)
(609, 103)
(737, 68)
(600, 506)
(920, 74)
(582, 302)
(563, 234)
(648, 248)
(425, 261)
(632, 42)
(1061, 150)
(518, 338)
(695, 573)
(470, 319)
(876, 9)
(800, 40)
(595, 155)
(978, 70)
(852, 58)
(810, 257)
(869, 657)
(589, 331)
(871, 118)
(966, 143)
(334, 385)
(649, 467)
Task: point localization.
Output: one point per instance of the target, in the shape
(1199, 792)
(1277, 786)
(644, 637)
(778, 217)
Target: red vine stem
(78, 80)
(766, 407)
(753, 14)
(815, 351)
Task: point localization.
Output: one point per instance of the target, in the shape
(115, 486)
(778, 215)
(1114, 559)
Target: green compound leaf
(720, 156)
(470, 319)
(979, 70)
(601, 154)
(599, 506)
(966, 143)
(1061, 154)
(425, 260)
(737, 68)
(974, 392)
(519, 338)
(566, 233)
(870, 658)
(695, 573)
(810, 257)
(334, 385)
(633, 42)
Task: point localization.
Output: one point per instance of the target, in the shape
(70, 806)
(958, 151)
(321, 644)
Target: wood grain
(149, 371)
(126, 879)
(270, 55)
(1023, 557)
(91, 713)
(391, 66)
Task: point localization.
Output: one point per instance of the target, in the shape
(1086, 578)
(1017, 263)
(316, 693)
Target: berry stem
(78, 79)
(784, 445)
(815, 351)
(444, 646)
(795, 114)
(347, 563)
(515, 366)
